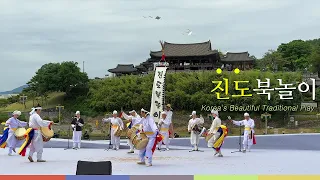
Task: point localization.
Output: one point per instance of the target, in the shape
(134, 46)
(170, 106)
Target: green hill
(52, 101)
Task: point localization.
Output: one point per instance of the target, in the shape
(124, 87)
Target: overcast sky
(104, 33)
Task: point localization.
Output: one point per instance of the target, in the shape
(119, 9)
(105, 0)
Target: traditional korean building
(241, 60)
(183, 57)
(124, 69)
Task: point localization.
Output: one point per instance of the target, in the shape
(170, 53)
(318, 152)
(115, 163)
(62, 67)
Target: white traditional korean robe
(136, 121)
(216, 123)
(151, 130)
(164, 131)
(115, 140)
(194, 138)
(12, 141)
(36, 145)
(248, 130)
(169, 116)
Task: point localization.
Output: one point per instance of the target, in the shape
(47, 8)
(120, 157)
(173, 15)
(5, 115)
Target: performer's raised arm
(22, 123)
(237, 123)
(41, 122)
(120, 123)
(125, 116)
(106, 120)
(200, 120)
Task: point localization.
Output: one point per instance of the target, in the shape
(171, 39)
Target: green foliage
(55, 77)
(185, 91)
(56, 119)
(4, 102)
(87, 127)
(46, 118)
(315, 60)
(318, 94)
(4, 117)
(297, 55)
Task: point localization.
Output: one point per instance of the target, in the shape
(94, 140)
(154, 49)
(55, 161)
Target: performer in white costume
(13, 124)
(77, 124)
(195, 136)
(169, 116)
(216, 124)
(150, 128)
(116, 122)
(164, 125)
(35, 122)
(135, 121)
(248, 134)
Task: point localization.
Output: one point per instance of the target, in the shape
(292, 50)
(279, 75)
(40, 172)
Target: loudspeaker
(94, 168)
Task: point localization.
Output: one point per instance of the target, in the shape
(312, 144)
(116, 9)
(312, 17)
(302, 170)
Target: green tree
(46, 79)
(296, 53)
(57, 77)
(315, 60)
(273, 60)
(71, 76)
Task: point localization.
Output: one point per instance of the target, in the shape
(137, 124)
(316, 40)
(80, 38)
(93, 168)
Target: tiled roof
(233, 57)
(183, 50)
(123, 68)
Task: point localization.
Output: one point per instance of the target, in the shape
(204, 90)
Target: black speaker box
(94, 168)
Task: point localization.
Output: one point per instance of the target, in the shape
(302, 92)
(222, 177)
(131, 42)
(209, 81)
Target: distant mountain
(16, 90)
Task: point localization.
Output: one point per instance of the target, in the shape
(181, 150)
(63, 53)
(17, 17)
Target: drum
(140, 141)
(208, 137)
(19, 133)
(197, 128)
(47, 133)
(131, 132)
(118, 132)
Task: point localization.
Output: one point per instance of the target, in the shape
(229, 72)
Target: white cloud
(105, 33)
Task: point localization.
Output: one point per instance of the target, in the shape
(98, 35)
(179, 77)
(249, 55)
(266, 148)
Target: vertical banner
(158, 93)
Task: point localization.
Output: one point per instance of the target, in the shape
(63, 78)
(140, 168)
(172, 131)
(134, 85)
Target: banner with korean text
(158, 93)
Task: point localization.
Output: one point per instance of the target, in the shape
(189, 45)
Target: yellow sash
(114, 126)
(247, 129)
(13, 129)
(149, 133)
(137, 126)
(164, 129)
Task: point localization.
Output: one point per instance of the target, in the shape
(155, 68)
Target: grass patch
(53, 100)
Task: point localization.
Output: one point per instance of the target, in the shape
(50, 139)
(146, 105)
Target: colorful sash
(223, 130)
(159, 138)
(4, 137)
(129, 125)
(29, 136)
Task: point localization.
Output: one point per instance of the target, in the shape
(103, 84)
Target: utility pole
(24, 99)
(83, 66)
(59, 108)
(266, 116)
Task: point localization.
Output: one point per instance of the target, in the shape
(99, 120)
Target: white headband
(143, 110)
(215, 112)
(163, 113)
(16, 113)
(133, 111)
